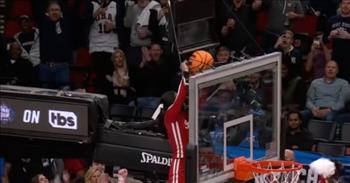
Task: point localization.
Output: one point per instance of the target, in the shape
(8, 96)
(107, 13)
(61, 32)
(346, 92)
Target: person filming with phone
(291, 56)
(317, 58)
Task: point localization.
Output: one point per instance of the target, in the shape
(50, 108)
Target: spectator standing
(297, 138)
(291, 56)
(153, 73)
(326, 96)
(162, 28)
(238, 26)
(153, 78)
(281, 14)
(323, 9)
(28, 39)
(55, 48)
(137, 18)
(15, 70)
(317, 58)
(338, 30)
(103, 39)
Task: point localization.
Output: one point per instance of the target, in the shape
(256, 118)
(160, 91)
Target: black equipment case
(47, 114)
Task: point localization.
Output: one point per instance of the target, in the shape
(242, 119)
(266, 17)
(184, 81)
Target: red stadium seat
(11, 28)
(306, 25)
(21, 7)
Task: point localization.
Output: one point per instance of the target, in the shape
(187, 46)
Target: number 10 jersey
(102, 38)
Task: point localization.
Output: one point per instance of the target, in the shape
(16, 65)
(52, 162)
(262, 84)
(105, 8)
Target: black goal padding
(137, 150)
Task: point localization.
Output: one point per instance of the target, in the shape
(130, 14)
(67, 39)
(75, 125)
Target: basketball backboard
(235, 111)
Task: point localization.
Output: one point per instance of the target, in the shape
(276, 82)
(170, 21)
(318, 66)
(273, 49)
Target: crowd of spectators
(62, 171)
(131, 54)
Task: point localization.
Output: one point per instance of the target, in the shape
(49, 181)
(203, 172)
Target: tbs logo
(63, 119)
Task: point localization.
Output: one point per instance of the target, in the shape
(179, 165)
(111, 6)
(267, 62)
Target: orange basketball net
(267, 171)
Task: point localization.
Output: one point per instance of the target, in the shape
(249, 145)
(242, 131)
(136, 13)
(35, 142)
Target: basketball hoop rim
(274, 163)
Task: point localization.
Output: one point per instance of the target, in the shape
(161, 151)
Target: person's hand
(292, 15)
(185, 71)
(324, 112)
(65, 177)
(315, 46)
(142, 32)
(230, 23)
(315, 111)
(334, 33)
(317, 13)
(279, 41)
(108, 26)
(343, 34)
(109, 78)
(183, 67)
(103, 178)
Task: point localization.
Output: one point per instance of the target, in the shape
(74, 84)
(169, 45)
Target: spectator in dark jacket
(15, 70)
(297, 138)
(28, 39)
(323, 9)
(291, 56)
(238, 25)
(338, 31)
(55, 49)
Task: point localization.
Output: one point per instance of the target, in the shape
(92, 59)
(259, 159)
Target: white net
(269, 173)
